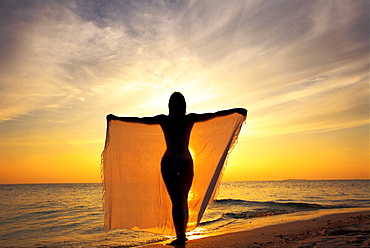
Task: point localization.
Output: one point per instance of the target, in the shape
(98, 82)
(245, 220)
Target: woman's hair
(177, 104)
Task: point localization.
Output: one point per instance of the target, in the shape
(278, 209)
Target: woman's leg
(178, 183)
(180, 210)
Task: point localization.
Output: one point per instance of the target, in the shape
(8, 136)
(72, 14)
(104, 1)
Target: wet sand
(334, 230)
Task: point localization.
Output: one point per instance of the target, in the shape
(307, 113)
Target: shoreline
(332, 228)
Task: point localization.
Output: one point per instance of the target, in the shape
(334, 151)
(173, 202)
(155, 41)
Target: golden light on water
(195, 234)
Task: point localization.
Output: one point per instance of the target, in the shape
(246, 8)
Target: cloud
(273, 57)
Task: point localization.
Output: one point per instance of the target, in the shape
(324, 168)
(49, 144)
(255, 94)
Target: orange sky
(299, 67)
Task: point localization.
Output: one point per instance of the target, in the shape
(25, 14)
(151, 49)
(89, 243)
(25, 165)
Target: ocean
(71, 215)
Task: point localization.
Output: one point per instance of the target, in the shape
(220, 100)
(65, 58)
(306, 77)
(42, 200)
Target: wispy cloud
(293, 64)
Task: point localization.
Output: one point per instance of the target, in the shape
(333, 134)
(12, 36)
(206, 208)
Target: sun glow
(192, 153)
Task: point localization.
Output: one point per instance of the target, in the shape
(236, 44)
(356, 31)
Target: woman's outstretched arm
(143, 120)
(208, 116)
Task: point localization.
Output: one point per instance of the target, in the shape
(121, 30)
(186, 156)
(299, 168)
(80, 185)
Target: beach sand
(334, 230)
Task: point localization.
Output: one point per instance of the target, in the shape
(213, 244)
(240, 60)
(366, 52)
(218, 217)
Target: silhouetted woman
(177, 163)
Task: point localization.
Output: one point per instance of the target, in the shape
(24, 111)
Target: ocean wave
(353, 200)
(232, 201)
(251, 214)
(298, 205)
(46, 212)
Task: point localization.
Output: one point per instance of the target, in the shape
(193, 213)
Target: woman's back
(177, 129)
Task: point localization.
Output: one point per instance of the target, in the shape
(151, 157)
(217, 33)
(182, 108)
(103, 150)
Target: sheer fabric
(135, 196)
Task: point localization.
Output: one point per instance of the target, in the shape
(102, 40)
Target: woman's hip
(177, 163)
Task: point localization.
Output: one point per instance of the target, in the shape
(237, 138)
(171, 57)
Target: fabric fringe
(102, 156)
(235, 142)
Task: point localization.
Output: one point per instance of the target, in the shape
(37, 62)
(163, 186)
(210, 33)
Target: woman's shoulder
(160, 117)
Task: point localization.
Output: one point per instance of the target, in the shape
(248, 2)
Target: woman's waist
(180, 153)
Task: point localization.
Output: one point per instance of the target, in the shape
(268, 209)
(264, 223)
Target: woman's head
(177, 104)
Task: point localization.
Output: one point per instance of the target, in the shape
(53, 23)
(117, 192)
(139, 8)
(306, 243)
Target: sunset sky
(301, 68)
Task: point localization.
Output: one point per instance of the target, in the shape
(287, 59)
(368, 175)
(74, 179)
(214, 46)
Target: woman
(177, 163)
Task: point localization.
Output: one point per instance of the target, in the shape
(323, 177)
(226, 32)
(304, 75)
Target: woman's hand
(242, 111)
(111, 117)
